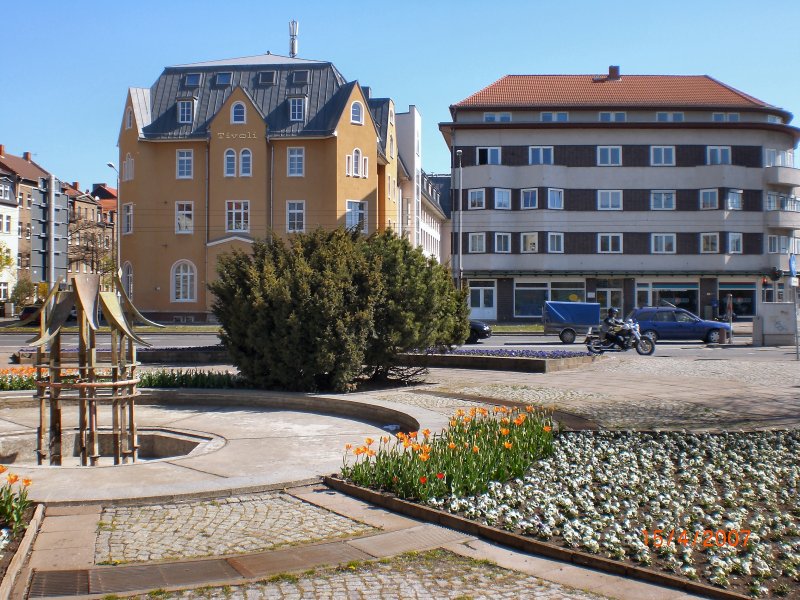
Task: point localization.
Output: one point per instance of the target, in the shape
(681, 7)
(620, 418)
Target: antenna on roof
(293, 29)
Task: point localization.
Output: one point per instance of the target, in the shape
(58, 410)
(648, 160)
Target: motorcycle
(597, 343)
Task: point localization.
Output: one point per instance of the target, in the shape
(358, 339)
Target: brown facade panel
(635, 200)
(747, 156)
(515, 156)
(753, 243)
(690, 156)
(468, 156)
(580, 242)
(516, 243)
(687, 200)
(636, 156)
(687, 243)
(580, 199)
(505, 299)
(753, 200)
(575, 156)
(635, 242)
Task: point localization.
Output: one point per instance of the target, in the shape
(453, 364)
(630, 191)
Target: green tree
(23, 292)
(418, 307)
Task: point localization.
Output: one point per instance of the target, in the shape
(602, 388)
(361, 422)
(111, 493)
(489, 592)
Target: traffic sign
(794, 281)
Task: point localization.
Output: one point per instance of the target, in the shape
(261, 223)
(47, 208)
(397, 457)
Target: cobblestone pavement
(237, 524)
(435, 574)
(447, 406)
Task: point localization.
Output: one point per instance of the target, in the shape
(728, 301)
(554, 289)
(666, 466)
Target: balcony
(786, 176)
(782, 211)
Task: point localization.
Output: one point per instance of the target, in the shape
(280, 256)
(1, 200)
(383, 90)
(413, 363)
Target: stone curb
(529, 545)
(20, 556)
(494, 363)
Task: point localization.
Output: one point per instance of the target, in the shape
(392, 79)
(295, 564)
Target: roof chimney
(293, 29)
(613, 72)
(367, 91)
(26, 156)
(2, 150)
(76, 185)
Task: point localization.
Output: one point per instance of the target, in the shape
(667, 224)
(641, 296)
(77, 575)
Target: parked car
(478, 330)
(670, 323)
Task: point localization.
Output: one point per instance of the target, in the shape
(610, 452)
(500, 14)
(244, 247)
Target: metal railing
(785, 203)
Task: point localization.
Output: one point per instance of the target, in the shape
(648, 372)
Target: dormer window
(357, 113)
(191, 80)
(297, 109)
(300, 77)
(238, 113)
(266, 78)
(185, 110)
(224, 78)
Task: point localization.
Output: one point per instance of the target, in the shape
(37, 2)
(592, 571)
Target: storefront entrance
(482, 302)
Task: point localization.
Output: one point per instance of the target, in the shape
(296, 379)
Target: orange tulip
(505, 421)
(453, 422)
(385, 439)
(26, 482)
(348, 446)
(426, 432)
(369, 441)
(451, 445)
(529, 408)
(505, 431)
(547, 428)
(475, 449)
(413, 435)
(370, 452)
(508, 445)
(424, 457)
(3, 469)
(12, 479)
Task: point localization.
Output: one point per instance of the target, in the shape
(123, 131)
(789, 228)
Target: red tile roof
(683, 91)
(108, 205)
(27, 170)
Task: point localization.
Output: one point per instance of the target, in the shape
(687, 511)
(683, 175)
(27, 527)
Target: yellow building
(217, 154)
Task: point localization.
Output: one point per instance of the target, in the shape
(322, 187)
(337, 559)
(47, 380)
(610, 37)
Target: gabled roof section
(271, 99)
(550, 91)
(379, 107)
(140, 101)
(23, 168)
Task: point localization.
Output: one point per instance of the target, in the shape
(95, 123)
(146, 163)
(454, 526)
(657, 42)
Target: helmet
(613, 312)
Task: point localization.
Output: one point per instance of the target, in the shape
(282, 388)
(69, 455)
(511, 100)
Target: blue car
(670, 323)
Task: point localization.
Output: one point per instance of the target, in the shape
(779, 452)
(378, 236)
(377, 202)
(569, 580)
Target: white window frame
(229, 162)
(523, 245)
(666, 239)
(127, 168)
(610, 162)
(553, 193)
(295, 207)
(476, 195)
(708, 193)
(356, 211)
(296, 161)
(129, 118)
(773, 244)
(127, 218)
(245, 172)
(491, 152)
(548, 116)
(234, 119)
(605, 116)
(669, 117)
(504, 191)
(127, 279)
(606, 199)
(655, 193)
(735, 235)
(184, 209)
(237, 216)
(661, 161)
(716, 154)
(609, 237)
(184, 158)
(711, 236)
(297, 109)
(507, 238)
(532, 193)
(185, 106)
(542, 152)
(730, 195)
(477, 243)
(189, 286)
(552, 236)
(357, 113)
(356, 164)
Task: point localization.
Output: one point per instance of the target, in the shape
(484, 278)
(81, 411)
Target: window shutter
(348, 165)
(364, 170)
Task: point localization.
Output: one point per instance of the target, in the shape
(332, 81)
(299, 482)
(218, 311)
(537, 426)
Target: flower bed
(609, 493)
(547, 354)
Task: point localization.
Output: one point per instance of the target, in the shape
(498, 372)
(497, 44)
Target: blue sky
(67, 65)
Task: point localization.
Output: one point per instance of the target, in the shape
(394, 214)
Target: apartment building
(621, 189)
(8, 232)
(217, 154)
(41, 219)
(89, 244)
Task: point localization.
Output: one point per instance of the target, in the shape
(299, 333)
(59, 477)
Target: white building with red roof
(627, 190)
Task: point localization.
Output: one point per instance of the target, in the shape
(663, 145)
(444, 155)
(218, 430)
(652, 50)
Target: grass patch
(527, 328)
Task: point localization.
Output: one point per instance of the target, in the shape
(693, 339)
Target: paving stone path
(233, 525)
(436, 574)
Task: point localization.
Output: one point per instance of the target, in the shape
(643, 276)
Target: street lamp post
(460, 225)
(117, 228)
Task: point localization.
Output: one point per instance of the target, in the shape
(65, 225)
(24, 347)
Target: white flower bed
(599, 491)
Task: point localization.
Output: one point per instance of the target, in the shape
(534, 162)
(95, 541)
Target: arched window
(356, 163)
(230, 163)
(391, 116)
(357, 113)
(129, 118)
(127, 168)
(391, 146)
(245, 163)
(238, 114)
(127, 279)
(184, 282)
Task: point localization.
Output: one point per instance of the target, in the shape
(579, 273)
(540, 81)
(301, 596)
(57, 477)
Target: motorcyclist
(611, 325)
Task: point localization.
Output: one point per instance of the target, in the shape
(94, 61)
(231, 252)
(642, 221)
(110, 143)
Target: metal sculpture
(86, 378)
